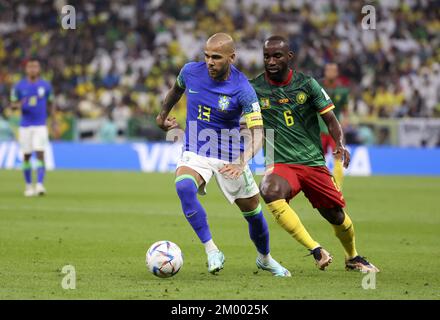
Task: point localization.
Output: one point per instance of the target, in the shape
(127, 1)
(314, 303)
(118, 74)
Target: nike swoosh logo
(192, 91)
(189, 215)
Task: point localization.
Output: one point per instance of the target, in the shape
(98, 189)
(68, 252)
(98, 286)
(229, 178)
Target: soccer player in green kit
(339, 95)
(291, 103)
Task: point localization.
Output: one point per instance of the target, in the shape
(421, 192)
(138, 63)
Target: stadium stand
(115, 67)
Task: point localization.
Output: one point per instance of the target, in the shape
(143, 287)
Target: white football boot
(29, 191)
(39, 189)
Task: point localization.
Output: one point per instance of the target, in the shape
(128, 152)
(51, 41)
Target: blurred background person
(33, 96)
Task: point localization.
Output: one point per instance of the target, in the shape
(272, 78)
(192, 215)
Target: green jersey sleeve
(320, 99)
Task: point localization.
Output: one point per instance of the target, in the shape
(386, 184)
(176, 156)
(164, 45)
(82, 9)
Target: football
(164, 259)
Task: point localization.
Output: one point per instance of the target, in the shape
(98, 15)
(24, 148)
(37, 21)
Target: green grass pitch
(103, 222)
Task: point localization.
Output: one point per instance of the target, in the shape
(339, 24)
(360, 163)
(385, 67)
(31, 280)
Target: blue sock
(258, 229)
(27, 171)
(193, 210)
(41, 170)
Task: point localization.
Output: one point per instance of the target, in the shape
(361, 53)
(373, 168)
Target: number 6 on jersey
(289, 118)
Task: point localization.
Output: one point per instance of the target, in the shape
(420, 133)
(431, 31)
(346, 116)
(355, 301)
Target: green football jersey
(291, 110)
(339, 96)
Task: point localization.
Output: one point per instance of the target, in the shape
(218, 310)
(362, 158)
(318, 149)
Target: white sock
(210, 246)
(265, 258)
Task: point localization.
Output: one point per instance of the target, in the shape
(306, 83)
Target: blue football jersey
(34, 97)
(214, 109)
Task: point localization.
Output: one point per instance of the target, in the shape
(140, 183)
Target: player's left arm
(51, 111)
(252, 131)
(345, 113)
(324, 106)
(51, 107)
(15, 97)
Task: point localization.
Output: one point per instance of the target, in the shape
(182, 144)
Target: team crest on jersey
(265, 103)
(41, 92)
(223, 102)
(301, 97)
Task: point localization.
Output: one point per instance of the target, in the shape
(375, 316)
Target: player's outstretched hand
(167, 124)
(232, 170)
(342, 153)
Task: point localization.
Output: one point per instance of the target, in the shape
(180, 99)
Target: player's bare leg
(275, 191)
(344, 230)
(188, 181)
(41, 172)
(27, 172)
(259, 234)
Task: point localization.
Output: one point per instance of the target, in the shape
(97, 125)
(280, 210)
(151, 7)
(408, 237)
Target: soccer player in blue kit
(218, 95)
(33, 96)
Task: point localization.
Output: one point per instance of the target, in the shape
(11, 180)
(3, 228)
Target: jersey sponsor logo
(301, 97)
(223, 102)
(282, 101)
(41, 91)
(265, 103)
(192, 91)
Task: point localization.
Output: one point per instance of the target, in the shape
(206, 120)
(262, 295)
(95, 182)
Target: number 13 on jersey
(204, 113)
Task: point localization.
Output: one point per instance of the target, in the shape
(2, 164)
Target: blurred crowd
(124, 55)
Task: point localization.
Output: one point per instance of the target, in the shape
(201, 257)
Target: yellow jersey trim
(327, 109)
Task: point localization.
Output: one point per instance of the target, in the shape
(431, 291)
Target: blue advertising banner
(162, 157)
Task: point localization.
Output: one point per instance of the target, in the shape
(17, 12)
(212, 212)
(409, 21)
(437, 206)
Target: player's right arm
(173, 96)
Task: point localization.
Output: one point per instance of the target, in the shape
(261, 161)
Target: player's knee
(335, 216)
(270, 192)
(186, 189)
(248, 205)
(340, 216)
(40, 155)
